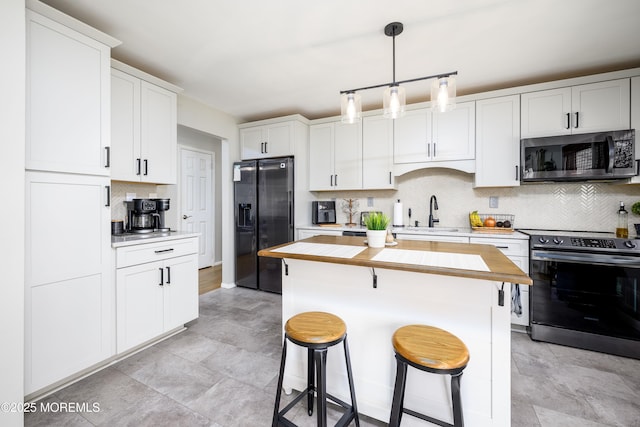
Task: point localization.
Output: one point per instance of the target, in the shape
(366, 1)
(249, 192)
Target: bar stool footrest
(346, 418)
(427, 418)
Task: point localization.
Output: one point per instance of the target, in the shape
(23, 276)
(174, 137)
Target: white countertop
(435, 231)
(137, 239)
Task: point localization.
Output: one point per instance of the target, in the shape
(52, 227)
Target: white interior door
(196, 196)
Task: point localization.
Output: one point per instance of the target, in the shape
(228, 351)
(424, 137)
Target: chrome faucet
(433, 205)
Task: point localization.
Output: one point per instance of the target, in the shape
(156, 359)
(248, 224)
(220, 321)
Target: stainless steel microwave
(582, 157)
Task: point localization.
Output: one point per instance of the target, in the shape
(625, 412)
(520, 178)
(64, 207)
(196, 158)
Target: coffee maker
(146, 215)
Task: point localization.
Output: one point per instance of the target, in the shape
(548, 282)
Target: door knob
(186, 216)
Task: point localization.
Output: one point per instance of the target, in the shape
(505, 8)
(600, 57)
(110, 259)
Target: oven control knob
(543, 240)
(558, 241)
(630, 244)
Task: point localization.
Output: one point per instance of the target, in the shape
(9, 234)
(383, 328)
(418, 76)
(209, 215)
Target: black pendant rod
(394, 50)
(435, 76)
(392, 30)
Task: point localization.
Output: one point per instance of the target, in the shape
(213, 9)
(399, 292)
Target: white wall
(196, 115)
(12, 148)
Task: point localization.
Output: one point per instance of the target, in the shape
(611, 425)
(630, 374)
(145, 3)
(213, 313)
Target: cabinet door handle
(331, 179)
(389, 178)
(107, 157)
(168, 275)
(138, 166)
(146, 167)
(186, 216)
(108, 188)
(161, 277)
(517, 175)
(336, 179)
(266, 148)
(568, 121)
(577, 119)
(434, 149)
(262, 148)
(428, 150)
(164, 251)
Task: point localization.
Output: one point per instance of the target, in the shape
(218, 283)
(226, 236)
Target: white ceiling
(256, 59)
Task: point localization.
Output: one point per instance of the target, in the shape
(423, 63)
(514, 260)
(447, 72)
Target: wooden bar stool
(429, 349)
(317, 331)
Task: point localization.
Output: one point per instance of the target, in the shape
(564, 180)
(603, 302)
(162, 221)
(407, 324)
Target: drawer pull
(502, 247)
(164, 251)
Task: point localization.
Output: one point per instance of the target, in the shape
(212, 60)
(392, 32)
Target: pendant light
(443, 90)
(351, 107)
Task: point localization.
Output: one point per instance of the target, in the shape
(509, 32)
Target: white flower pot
(376, 238)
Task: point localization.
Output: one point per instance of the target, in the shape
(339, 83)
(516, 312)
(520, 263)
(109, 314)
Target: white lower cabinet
(517, 250)
(432, 238)
(156, 288)
(69, 296)
(306, 233)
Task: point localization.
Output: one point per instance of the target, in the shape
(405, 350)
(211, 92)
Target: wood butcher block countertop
(501, 268)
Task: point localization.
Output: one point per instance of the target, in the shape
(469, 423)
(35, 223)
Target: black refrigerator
(263, 197)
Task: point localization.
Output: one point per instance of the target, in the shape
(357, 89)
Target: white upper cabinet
(143, 128)
(423, 136)
(593, 107)
(335, 156)
(272, 140)
(412, 137)
(498, 142)
(454, 133)
(125, 126)
(635, 118)
(377, 153)
(67, 92)
(158, 134)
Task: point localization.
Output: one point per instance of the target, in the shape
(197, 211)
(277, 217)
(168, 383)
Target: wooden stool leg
(456, 401)
(321, 385)
(279, 389)
(398, 393)
(354, 406)
(310, 380)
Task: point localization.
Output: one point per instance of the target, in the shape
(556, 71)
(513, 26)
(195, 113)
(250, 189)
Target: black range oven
(586, 291)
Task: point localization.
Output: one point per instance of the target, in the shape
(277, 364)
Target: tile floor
(221, 372)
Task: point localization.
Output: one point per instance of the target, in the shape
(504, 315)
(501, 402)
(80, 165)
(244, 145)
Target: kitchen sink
(427, 229)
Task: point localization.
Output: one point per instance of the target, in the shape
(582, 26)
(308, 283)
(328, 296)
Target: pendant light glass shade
(351, 107)
(443, 94)
(394, 101)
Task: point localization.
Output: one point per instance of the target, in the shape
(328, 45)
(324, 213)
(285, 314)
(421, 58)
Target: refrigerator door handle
(290, 205)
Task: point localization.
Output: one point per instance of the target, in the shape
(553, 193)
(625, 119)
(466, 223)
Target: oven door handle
(587, 258)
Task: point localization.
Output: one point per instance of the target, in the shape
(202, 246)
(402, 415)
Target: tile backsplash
(118, 193)
(564, 206)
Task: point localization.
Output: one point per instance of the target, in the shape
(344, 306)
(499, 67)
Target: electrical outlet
(493, 201)
(369, 202)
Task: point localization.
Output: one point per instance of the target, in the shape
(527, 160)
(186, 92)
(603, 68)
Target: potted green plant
(635, 209)
(376, 224)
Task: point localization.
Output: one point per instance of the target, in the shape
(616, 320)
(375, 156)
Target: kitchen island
(449, 285)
